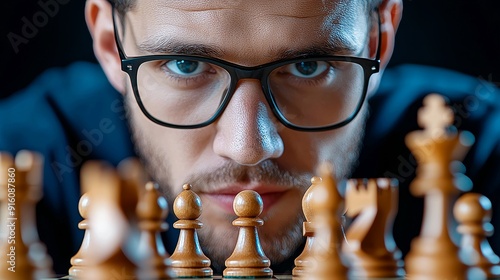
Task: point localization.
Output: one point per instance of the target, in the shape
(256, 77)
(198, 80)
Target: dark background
(456, 34)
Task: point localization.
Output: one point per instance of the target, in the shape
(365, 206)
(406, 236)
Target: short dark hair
(122, 6)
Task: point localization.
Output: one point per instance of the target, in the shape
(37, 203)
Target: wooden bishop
(302, 262)
(327, 261)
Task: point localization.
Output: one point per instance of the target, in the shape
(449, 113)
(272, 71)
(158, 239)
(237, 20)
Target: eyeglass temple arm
(115, 30)
(379, 45)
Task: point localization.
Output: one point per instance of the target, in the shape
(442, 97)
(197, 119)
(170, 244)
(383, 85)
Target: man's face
(247, 147)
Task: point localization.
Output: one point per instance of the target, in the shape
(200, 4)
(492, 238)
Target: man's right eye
(186, 68)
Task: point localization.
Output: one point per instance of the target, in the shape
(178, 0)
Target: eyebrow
(165, 46)
(317, 50)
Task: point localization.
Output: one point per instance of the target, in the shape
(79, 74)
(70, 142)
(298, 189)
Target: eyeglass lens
(307, 93)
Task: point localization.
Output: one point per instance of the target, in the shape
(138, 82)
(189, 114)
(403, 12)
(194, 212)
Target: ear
(99, 21)
(390, 16)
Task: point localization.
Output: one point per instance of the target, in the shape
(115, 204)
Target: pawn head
(248, 203)
(187, 205)
(472, 207)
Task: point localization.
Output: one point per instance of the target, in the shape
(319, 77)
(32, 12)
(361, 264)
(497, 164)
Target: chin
(281, 233)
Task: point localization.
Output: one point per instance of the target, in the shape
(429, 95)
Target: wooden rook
(327, 260)
(152, 210)
(188, 260)
(248, 258)
(303, 261)
(370, 247)
(23, 256)
(432, 254)
(473, 213)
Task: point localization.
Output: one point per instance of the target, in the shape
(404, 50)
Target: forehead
(263, 26)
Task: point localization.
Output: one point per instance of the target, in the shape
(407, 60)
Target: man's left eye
(308, 69)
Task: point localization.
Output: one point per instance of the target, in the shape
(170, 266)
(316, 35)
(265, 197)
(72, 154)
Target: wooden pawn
(248, 258)
(188, 260)
(78, 261)
(473, 213)
(152, 210)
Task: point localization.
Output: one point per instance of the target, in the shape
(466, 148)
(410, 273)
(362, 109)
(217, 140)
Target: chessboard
(362, 249)
(274, 277)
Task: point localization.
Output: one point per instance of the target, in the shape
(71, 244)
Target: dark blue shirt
(73, 115)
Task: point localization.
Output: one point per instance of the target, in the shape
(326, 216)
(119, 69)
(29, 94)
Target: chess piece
(133, 179)
(248, 258)
(473, 212)
(152, 211)
(125, 183)
(435, 148)
(188, 259)
(78, 260)
(371, 249)
(302, 262)
(327, 259)
(23, 256)
(104, 257)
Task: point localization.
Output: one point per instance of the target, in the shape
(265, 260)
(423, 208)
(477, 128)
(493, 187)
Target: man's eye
(308, 69)
(186, 68)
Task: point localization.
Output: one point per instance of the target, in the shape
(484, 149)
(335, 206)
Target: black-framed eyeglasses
(310, 93)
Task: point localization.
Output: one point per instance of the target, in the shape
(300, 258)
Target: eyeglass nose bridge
(254, 73)
(249, 73)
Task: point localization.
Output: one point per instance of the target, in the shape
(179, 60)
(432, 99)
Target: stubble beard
(216, 245)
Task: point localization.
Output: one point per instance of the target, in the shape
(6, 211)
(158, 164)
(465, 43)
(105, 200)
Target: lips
(224, 197)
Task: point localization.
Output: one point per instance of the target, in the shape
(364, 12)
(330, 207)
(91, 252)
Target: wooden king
(435, 148)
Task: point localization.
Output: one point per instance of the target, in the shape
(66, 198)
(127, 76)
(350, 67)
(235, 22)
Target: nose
(247, 130)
